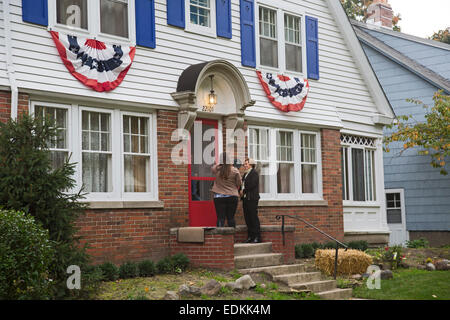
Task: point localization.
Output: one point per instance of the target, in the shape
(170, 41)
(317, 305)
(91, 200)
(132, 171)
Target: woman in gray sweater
(225, 189)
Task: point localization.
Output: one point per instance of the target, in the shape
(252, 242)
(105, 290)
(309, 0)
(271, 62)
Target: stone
(386, 274)
(196, 291)
(188, 290)
(171, 295)
(233, 286)
(211, 288)
(442, 264)
(356, 277)
(246, 282)
(430, 267)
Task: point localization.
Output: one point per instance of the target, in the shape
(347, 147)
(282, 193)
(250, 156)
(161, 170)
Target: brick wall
(5, 105)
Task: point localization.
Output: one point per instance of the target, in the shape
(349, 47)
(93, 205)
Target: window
(293, 46)
(136, 155)
(358, 168)
(94, 18)
(96, 151)
(268, 37)
(393, 208)
(58, 146)
(201, 16)
(280, 40)
(125, 170)
(288, 162)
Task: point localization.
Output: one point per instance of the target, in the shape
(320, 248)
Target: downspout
(10, 70)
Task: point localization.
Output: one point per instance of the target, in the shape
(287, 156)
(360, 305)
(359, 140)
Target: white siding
(3, 76)
(339, 94)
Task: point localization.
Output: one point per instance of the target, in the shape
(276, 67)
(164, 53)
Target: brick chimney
(380, 13)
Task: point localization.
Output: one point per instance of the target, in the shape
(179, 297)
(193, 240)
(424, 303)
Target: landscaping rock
(442, 264)
(357, 277)
(171, 295)
(246, 282)
(430, 267)
(188, 290)
(211, 288)
(233, 286)
(386, 274)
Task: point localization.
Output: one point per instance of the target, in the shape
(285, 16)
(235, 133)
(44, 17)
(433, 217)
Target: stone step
(258, 260)
(336, 294)
(296, 278)
(276, 270)
(315, 286)
(245, 249)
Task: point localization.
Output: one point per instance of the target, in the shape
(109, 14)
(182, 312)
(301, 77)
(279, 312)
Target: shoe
(249, 240)
(256, 240)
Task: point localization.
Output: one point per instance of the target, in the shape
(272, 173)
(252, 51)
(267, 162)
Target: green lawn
(410, 284)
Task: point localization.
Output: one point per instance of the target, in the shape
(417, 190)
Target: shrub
(349, 262)
(165, 265)
(29, 183)
(25, 256)
(147, 268)
(329, 245)
(129, 270)
(180, 261)
(358, 245)
(110, 271)
(418, 243)
(298, 251)
(393, 255)
(308, 250)
(316, 246)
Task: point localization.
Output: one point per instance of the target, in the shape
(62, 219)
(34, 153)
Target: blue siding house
(408, 67)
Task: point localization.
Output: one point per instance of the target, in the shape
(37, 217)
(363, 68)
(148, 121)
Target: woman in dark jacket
(250, 199)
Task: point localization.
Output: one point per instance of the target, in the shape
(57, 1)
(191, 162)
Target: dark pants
(251, 218)
(225, 209)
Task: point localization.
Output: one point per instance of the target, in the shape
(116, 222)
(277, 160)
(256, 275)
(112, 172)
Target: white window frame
(272, 160)
(281, 8)
(349, 169)
(195, 28)
(94, 19)
(74, 143)
(152, 151)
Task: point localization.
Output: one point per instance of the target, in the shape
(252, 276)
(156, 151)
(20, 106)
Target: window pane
(264, 178)
(97, 172)
(358, 175)
(309, 178)
(136, 173)
(58, 158)
(284, 146)
(201, 190)
(96, 132)
(269, 52)
(394, 216)
(345, 182)
(114, 17)
(200, 12)
(293, 58)
(285, 178)
(72, 13)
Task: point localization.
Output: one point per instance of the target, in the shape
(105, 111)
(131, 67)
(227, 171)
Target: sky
(422, 18)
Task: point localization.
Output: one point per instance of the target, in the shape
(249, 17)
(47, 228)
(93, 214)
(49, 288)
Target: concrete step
(245, 249)
(258, 260)
(297, 278)
(276, 270)
(315, 286)
(336, 294)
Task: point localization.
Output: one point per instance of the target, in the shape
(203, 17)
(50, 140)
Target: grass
(410, 284)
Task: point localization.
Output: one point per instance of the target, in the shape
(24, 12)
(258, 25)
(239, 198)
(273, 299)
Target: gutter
(10, 70)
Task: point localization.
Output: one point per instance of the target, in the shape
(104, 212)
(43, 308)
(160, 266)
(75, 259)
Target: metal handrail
(281, 216)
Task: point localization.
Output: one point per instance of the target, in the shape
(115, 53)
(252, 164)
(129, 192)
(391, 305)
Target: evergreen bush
(129, 270)
(110, 271)
(147, 268)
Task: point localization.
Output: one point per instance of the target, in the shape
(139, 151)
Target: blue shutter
(223, 17)
(145, 23)
(312, 47)
(175, 13)
(35, 11)
(248, 49)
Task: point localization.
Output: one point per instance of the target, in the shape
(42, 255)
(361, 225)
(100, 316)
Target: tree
(357, 10)
(432, 136)
(28, 183)
(442, 36)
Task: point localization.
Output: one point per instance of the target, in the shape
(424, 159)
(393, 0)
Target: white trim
(94, 21)
(281, 9)
(272, 161)
(194, 28)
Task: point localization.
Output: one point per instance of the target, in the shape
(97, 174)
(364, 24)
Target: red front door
(203, 154)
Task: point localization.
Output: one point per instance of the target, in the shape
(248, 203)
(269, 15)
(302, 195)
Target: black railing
(278, 217)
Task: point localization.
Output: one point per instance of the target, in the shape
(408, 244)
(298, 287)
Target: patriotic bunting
(285, 93)
(97, 65)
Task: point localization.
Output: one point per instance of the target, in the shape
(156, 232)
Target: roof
(384, 107)
(367, 35)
